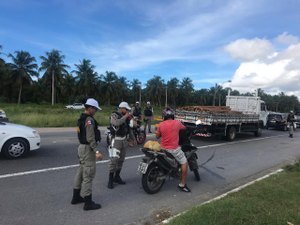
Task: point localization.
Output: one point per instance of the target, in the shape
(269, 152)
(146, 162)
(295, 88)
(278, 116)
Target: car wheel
(15, 148)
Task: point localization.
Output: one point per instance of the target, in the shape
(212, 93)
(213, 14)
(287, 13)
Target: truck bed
(208, 115)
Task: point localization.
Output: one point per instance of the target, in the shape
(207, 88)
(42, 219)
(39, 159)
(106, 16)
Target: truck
(241, 114)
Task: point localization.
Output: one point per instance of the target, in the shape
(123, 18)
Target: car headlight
(36, 134)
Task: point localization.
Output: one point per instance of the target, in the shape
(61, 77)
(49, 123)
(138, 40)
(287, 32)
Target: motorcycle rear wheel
(152, 180)
(197, 175)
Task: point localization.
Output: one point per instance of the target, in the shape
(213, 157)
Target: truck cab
(248, 105)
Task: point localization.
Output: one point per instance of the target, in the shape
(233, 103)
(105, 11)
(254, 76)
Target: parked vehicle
(223, 120)
(17, 140)
(277, 121)
(3, 116)
(75, 106)
(157, 166)
(297, 119)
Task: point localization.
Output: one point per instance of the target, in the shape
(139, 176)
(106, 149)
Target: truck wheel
(285, 128)
(258, 132)
(231, 133)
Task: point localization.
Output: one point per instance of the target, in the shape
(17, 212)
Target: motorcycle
(135, 126)
(156, 167)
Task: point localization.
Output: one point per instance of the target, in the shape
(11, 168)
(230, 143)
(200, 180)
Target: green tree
(155, 89)
(136, 89)
(55, 70)
(173, 91)
(86, 77)
(23, 68)
(122, 90)
(186, 90)
(109, 85)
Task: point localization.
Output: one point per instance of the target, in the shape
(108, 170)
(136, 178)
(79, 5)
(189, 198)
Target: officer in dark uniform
(89, 136)
(119, 131)
(291, 121)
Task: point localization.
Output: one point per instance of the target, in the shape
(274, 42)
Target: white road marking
(129, 157)
(56, 168)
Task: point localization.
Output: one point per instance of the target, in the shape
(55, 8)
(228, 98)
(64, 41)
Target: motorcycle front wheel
(152, 180)
(141, 137)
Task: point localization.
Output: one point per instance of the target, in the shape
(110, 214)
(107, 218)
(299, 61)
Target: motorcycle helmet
(168, 115)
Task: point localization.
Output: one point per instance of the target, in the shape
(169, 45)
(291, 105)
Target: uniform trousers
(86, 171)
(116, 163)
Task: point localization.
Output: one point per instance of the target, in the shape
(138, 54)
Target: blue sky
(255, 44)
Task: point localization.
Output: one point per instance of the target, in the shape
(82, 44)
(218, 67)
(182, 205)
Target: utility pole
(140, 97)
(166, 96)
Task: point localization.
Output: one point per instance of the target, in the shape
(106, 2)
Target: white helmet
(148, 103)
(124, 105)
(92, 102)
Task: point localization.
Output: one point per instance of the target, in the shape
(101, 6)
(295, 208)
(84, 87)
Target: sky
(240, 44)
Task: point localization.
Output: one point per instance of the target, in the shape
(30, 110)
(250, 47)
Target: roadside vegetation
(36, 115)
(23, 80)
(273, 201)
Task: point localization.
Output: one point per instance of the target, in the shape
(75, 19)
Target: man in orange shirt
(168, 130)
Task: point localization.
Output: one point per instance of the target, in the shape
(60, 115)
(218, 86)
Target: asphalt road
(37, 189)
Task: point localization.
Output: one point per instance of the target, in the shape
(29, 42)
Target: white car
(17, 140)
(2, 115)
(75, 106)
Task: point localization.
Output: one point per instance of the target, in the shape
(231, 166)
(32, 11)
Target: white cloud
(249, 50)
(279, 72)
(287, 39)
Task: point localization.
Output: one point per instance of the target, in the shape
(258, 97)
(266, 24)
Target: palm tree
(54, 68)
(215, 90)
(173, 90)
(109, 83)
(68, 90)
(122, 90)
(187, 89)
(136, 88)
(86, 77)
(155, 89)
(23, 68)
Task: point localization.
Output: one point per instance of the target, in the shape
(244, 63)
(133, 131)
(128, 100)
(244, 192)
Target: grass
(273, 201)
(45, 115)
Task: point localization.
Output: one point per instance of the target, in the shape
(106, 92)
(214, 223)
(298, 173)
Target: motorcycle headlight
(198, 122)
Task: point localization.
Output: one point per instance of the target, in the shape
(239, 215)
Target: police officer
(119, 130)
(291, 121)
(136, 110)
(88, 135)
(148, 116)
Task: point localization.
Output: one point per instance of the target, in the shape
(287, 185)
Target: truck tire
(231, 133)
(258, 132)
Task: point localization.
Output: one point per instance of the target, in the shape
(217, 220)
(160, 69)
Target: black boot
(118, 179)
(89, 204)
(76, 197)
(110, 184)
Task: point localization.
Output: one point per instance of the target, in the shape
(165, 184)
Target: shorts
(178, 155)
